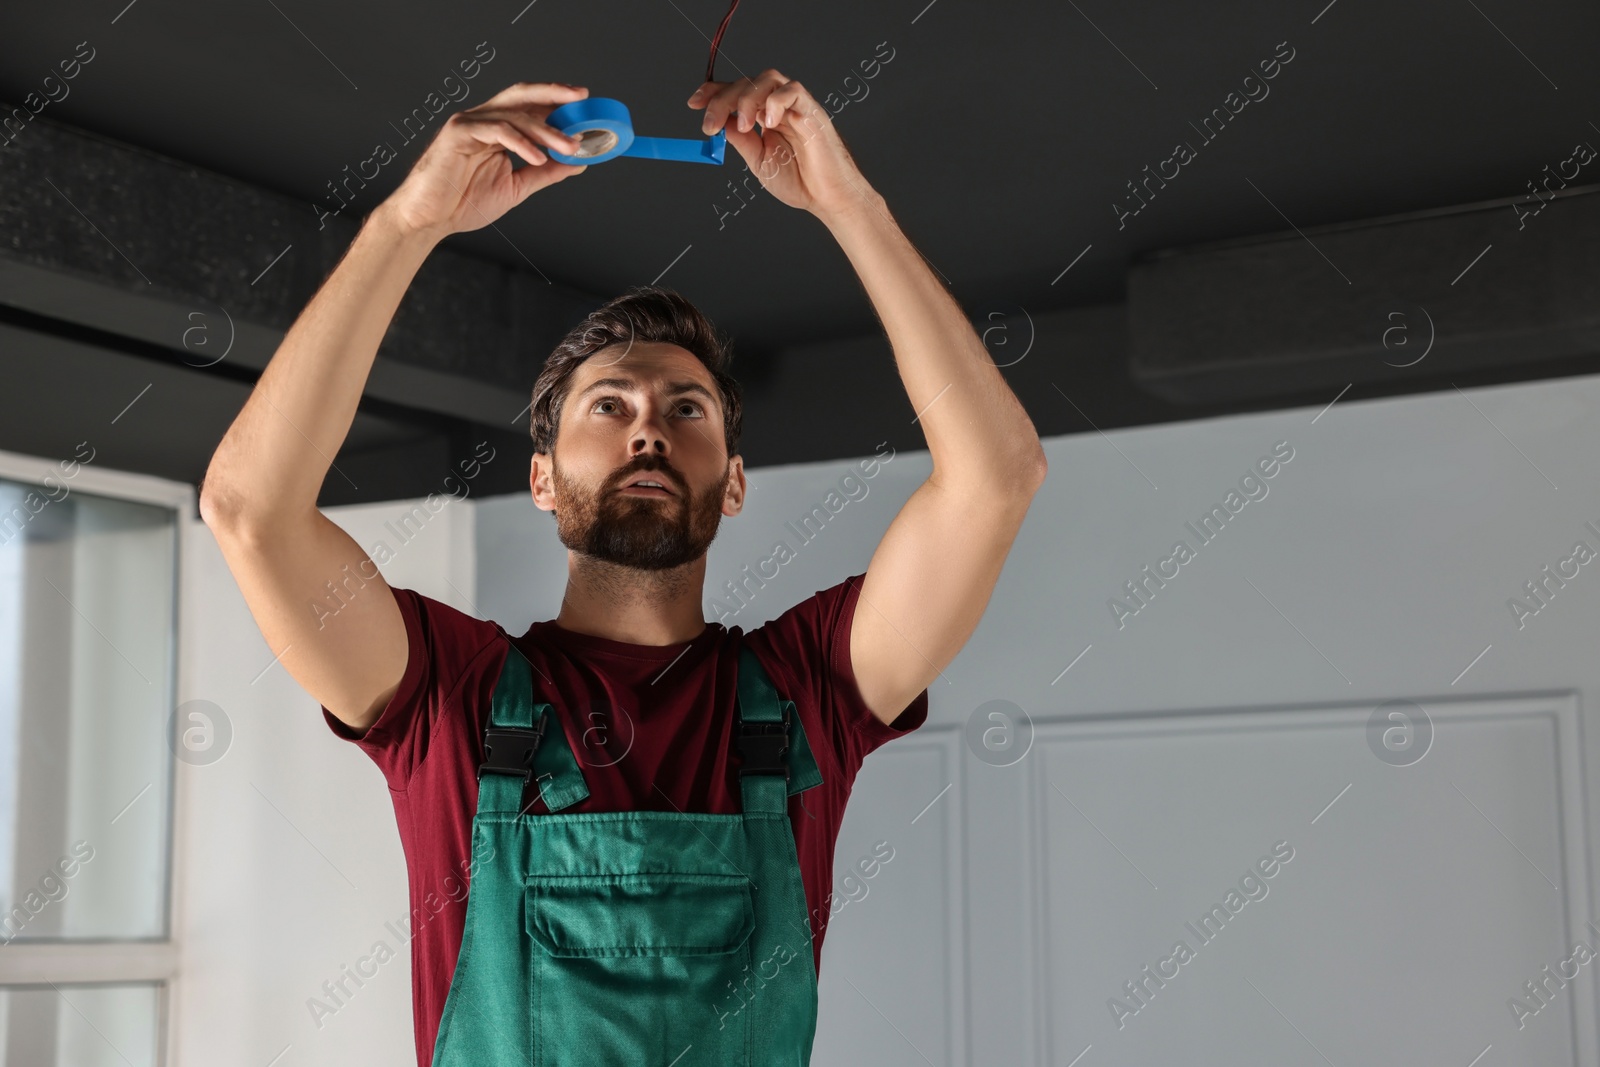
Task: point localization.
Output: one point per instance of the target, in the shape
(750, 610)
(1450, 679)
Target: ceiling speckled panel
(1005, 136)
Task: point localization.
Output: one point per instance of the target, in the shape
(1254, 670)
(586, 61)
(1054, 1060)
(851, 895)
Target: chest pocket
(638, 968)
(662, 914)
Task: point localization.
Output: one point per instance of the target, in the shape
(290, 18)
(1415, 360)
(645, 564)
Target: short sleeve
(811, 644)
(848, 692)
(442, 642)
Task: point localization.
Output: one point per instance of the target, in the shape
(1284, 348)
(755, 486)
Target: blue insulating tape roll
(601, 115)
(606, 129)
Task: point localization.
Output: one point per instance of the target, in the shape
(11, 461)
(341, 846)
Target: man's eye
(694, 409)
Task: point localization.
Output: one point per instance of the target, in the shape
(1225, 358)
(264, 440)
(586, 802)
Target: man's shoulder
(802, 642)
(811, 621)
(821, 606)
(445, 617)
(451, 638)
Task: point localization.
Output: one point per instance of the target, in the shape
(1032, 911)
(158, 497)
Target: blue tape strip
(611, 116)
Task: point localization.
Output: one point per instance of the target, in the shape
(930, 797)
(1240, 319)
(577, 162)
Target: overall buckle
(510, 749)
(762, 746)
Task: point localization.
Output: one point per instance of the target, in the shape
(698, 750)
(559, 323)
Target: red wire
(716, 42)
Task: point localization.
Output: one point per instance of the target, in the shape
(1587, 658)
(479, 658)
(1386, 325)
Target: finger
(797, 113)
(702, 95)
(790, 96)
(720, 104)
(750, 101)
(540, 132)
(522, 94)
(499, 133)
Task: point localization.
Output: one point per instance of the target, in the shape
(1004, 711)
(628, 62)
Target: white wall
(1225, 716)
(292, 861)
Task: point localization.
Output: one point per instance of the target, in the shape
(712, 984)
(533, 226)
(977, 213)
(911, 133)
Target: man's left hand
(797, 154)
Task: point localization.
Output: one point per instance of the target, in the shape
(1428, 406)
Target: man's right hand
(464, 179)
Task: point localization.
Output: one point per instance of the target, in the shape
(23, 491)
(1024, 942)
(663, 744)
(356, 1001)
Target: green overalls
(638, 938)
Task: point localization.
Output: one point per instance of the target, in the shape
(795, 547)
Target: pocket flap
(660, 914)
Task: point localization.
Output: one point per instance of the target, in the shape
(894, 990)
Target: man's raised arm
(936, 567)
(259, 496)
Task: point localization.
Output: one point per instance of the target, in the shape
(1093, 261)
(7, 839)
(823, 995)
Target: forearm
(275, 456)
(977, 431)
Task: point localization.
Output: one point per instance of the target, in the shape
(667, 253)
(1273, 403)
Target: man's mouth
(647, 487)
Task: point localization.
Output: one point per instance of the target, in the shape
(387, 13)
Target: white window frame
(128, 960)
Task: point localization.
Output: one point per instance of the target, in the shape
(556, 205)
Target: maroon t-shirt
(651, 727)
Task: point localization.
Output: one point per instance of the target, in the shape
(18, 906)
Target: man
(641, 806)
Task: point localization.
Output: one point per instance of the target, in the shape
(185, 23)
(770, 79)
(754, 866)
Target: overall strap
(775, 759)
(525, 740)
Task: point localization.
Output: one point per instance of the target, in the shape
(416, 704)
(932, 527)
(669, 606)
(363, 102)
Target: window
(89, 564)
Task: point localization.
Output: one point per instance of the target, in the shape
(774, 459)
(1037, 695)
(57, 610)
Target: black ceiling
(1002, 135)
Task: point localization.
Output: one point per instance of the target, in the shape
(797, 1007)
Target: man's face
(642, 410)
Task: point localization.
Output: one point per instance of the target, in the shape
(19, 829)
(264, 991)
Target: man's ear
(733, 497)
(539, 482)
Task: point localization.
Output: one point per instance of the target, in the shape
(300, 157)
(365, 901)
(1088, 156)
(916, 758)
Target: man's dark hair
(644, 313)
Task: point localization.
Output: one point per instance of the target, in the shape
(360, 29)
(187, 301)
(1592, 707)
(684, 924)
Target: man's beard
(639, 532)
